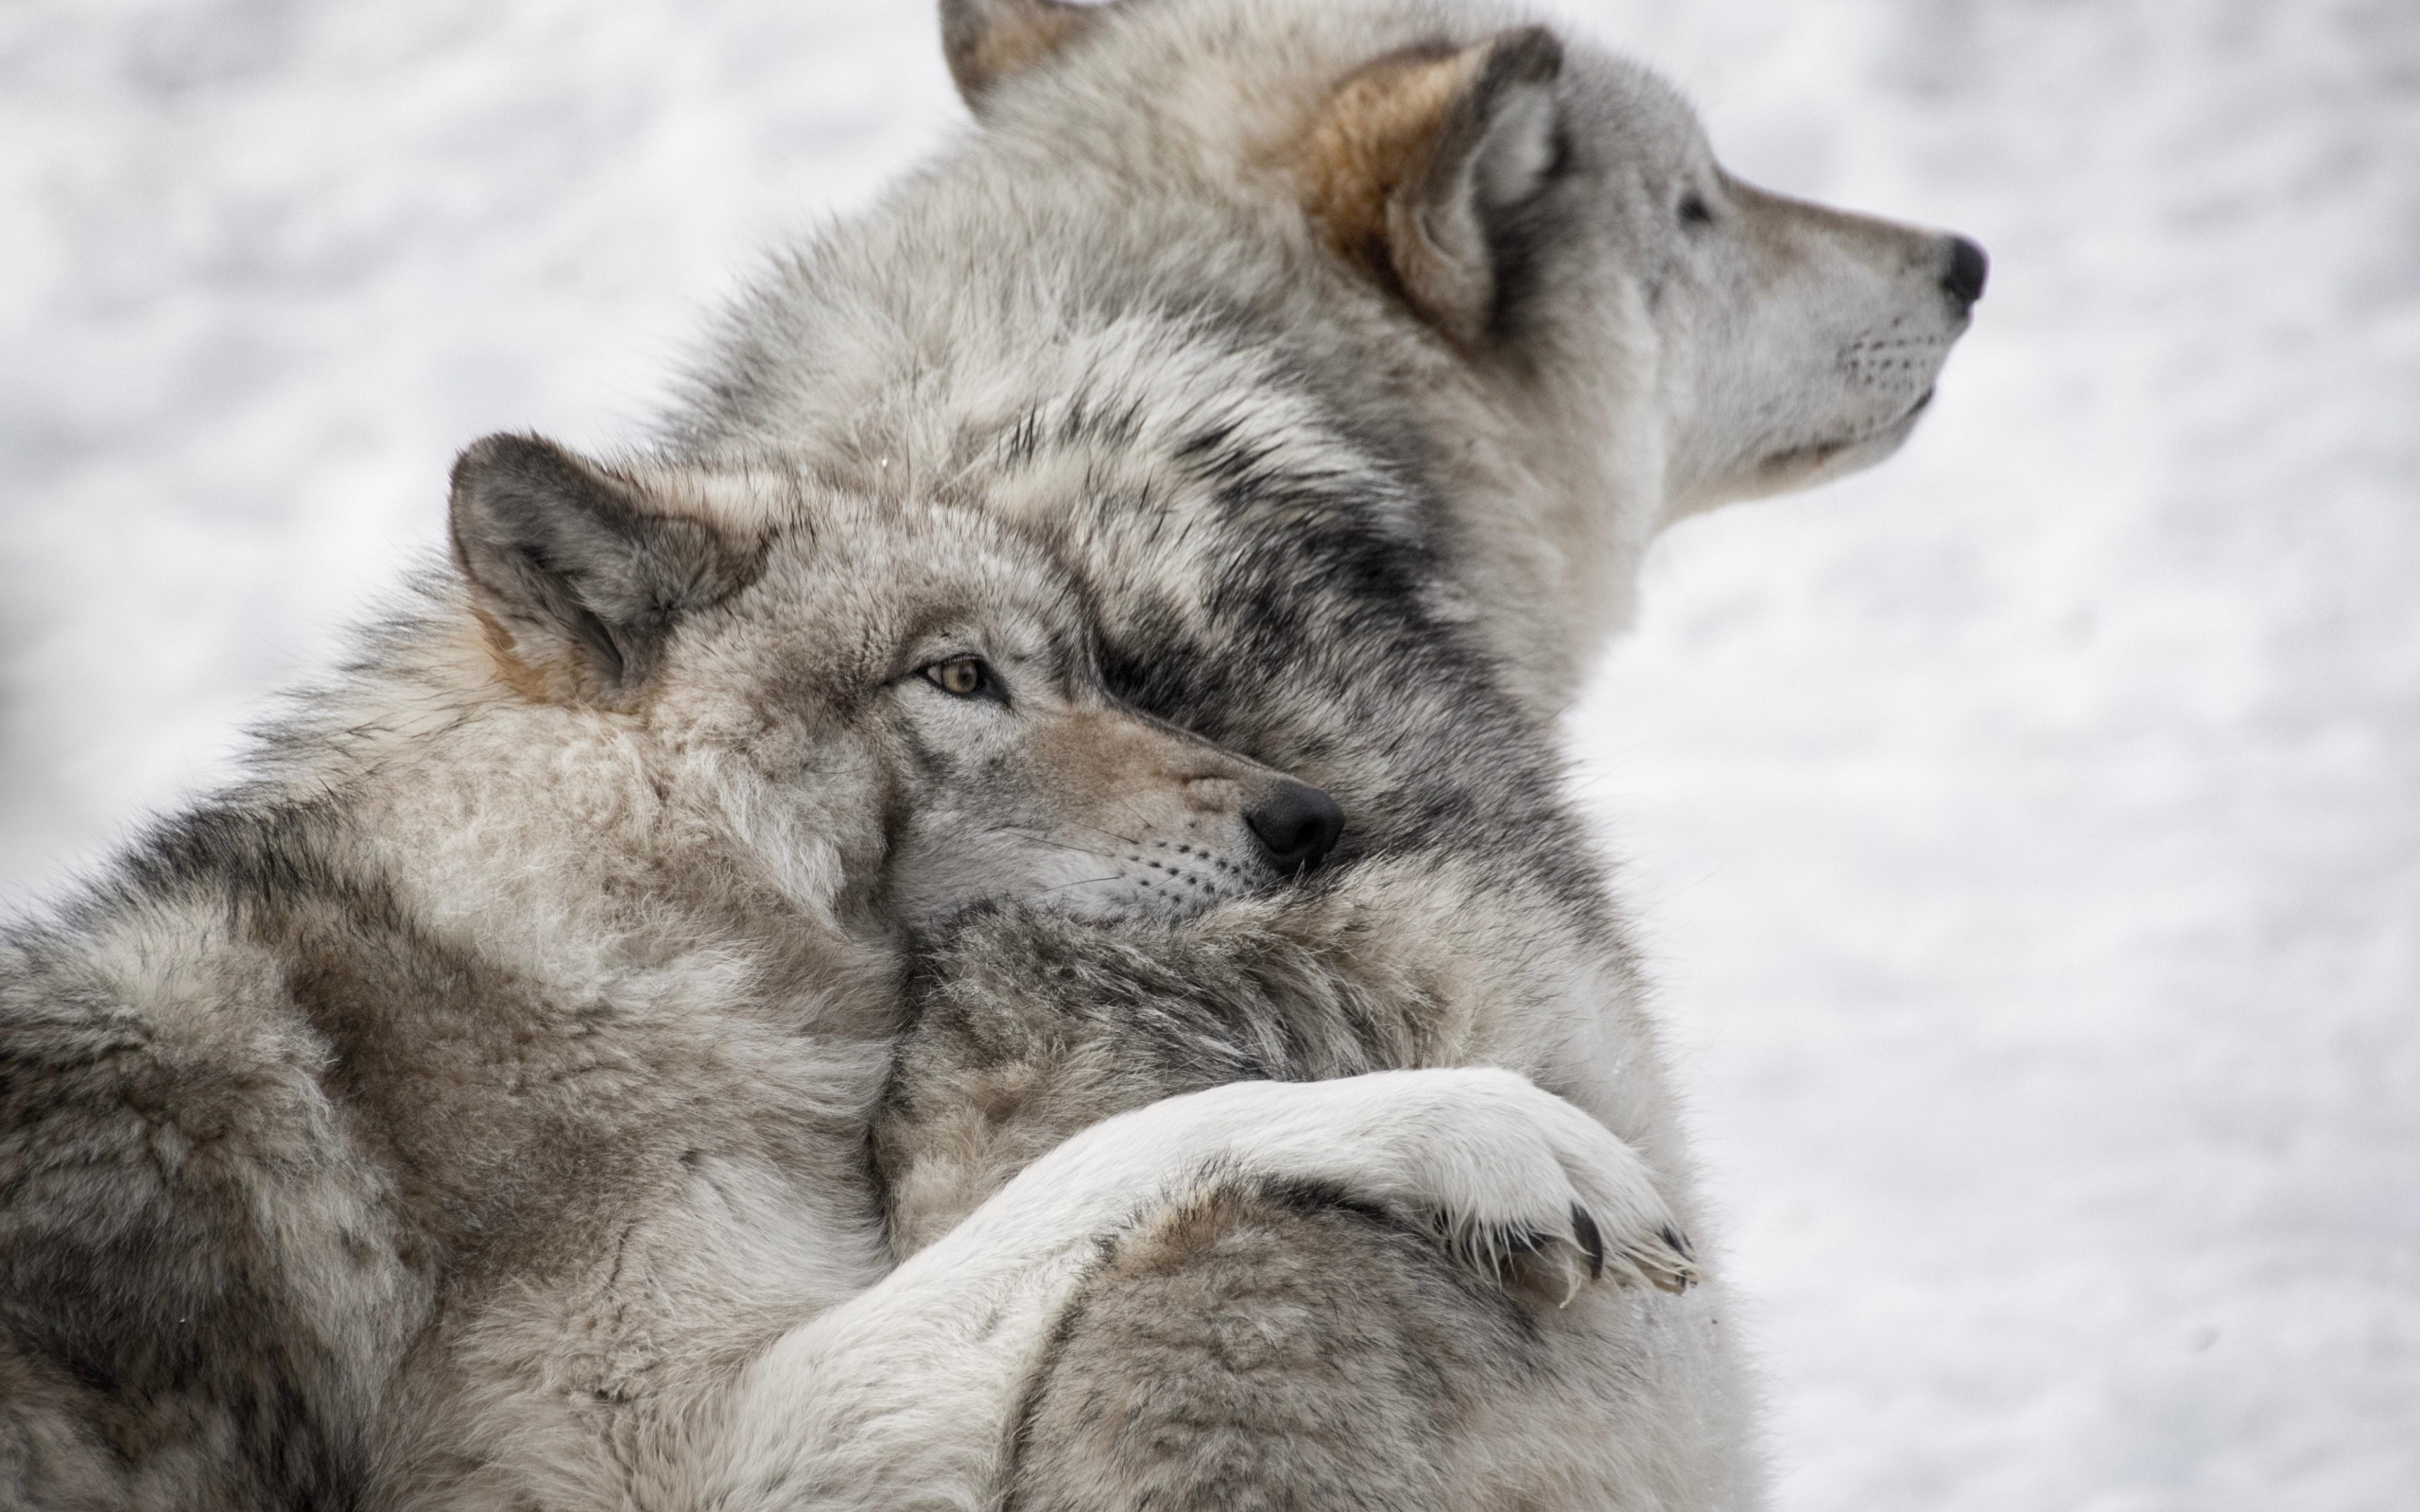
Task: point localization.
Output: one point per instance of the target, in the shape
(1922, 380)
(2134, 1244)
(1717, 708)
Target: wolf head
(1513, 191)
(1638, 334)
(894, 704)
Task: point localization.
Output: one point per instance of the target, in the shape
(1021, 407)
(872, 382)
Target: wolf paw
(1557, 1267)
(1614, 1224)
(1516, 1183)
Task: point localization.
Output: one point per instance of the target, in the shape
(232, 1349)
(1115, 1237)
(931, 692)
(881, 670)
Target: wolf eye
(964, 677)
(1695, 211)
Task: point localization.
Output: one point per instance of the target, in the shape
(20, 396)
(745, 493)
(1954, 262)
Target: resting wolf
(473, 1112)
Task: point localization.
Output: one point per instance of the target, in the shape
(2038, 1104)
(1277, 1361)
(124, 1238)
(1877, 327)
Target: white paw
(1516, 1182)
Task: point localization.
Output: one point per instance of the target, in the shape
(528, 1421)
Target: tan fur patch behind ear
(986, 40)
(1400, 169)
(1379, 135)
(548, 683)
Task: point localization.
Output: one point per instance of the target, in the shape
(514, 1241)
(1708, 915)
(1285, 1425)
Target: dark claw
(1584, 1228)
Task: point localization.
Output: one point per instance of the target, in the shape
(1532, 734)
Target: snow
(2028, 832)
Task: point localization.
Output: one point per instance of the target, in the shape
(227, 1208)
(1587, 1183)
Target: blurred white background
(2028, 834)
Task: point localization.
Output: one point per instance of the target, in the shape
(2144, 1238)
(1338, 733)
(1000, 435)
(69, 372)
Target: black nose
(1297, 826)
(1968, 269)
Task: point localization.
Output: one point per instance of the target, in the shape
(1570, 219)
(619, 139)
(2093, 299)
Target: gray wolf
(474, 1108)
(470, 1111)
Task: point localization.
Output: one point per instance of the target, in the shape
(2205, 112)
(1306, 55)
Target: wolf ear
(579, 581)
(1420, 162)
(986, 40)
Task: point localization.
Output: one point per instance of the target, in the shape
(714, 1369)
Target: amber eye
(961, 678)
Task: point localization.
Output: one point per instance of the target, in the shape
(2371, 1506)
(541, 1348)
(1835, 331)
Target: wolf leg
(905, 1398)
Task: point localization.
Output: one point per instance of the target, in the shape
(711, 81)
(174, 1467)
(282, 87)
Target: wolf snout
(1970, 266)
(1296, 825)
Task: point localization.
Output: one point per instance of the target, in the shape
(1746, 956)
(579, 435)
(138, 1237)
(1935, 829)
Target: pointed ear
(578, 579)
(986, 40)
(1419, 163)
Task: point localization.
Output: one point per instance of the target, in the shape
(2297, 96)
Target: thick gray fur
(472, 1110)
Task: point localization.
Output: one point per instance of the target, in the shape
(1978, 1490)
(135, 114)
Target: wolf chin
(474, 1108)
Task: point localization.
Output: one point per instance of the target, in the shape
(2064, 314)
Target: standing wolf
(472, 1111)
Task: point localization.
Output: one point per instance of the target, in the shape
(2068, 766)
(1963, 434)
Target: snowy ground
(2028, 832)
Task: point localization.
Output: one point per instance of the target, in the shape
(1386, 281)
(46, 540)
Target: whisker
(1121, 839)
(1040, 838)
(1081, 881)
